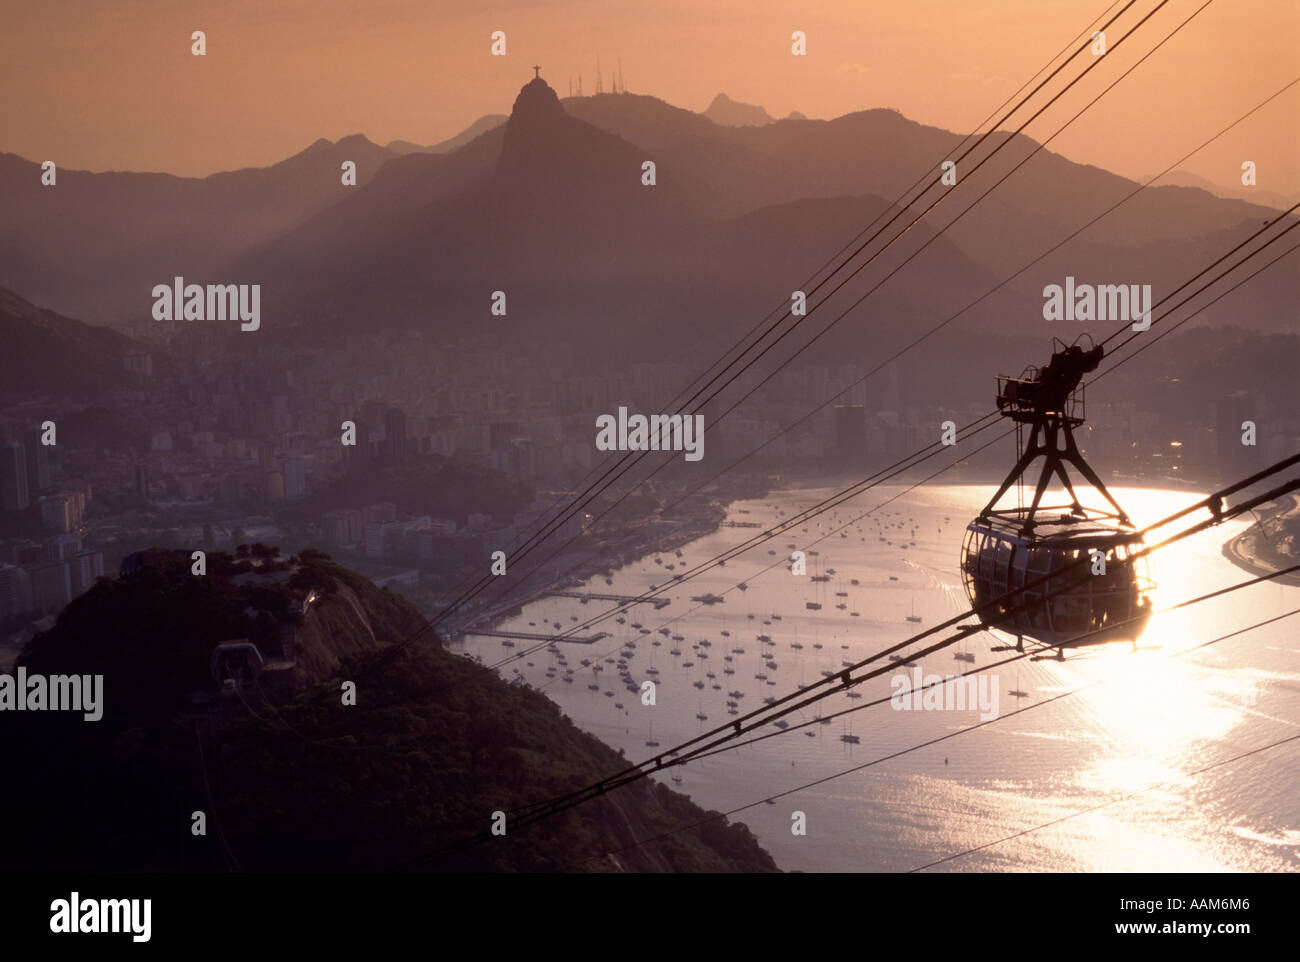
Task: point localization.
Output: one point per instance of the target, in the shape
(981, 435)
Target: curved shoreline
(1243, 549)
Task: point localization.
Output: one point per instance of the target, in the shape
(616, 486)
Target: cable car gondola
(1007, 548)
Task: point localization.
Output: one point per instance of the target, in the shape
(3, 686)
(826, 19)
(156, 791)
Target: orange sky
(111, 84)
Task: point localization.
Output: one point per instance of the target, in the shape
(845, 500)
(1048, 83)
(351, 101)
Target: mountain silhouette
(94, 244)
(47, 354)
(733, 113)
(480, 126)
(550, 207)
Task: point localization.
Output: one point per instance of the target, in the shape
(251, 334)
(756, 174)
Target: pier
(536, 636)
(585, 596)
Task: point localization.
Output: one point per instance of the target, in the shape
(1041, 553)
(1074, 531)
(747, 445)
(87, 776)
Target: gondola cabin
(998, 561)
(1035, 571)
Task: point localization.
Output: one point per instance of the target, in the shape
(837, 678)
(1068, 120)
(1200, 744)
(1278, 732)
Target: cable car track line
(484, 581)
(927, 744)
(937, 181)
(538, 811)
(857, 488)
(782, 307)
(508, 589)
(1113, 801)
(1019, 656)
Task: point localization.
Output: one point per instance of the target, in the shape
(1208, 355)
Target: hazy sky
(111, 84)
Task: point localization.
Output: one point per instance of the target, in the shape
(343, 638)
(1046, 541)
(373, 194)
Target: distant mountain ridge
(94, 244)
(478, 127)
(551, 205)
(732, 113)
(1251, 195)
(48, 354)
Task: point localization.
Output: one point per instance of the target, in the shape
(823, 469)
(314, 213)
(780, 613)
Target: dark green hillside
(432, 748)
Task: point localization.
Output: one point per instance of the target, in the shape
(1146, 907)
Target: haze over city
(851, 437)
